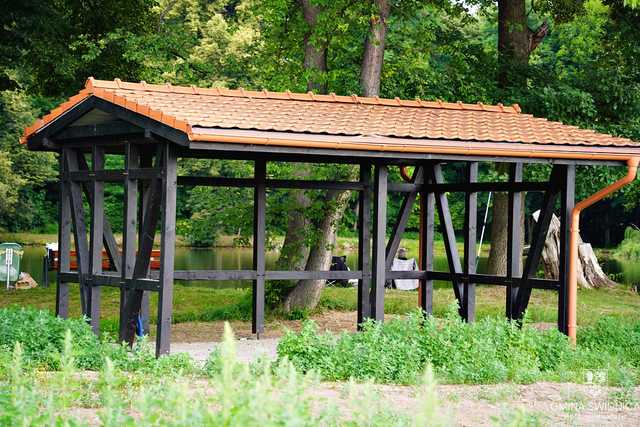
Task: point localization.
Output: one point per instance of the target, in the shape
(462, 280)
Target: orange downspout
(572, 298)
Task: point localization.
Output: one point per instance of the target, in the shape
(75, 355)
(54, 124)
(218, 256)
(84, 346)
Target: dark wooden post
(129, 237)
(514, 239)
(97, 233)
(167, 248)
(364, 244)
(64, 240)
(448, 234)
(379, 246)
(259, 249)
(79, 230)
(470, 251)
(428, 208)
(145, 161)
(567, 201)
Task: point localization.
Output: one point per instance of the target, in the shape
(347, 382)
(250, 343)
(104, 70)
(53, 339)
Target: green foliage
(490, 350)
(629, 248)
(42, 337)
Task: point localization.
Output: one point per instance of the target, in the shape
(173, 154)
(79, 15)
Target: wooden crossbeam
(402, 219)
(448, 234)
(364, 244)
(464, 187)
(539, 237)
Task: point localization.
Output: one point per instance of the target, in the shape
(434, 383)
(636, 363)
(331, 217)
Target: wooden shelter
(153, 126)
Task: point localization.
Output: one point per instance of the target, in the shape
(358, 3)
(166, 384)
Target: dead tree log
(590, 274)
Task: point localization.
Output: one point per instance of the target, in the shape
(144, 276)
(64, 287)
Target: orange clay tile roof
(190, 109)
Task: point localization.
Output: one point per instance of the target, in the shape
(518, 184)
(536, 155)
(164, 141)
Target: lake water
(241, 259)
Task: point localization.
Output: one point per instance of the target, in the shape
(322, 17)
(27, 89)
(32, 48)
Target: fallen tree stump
(590, 274)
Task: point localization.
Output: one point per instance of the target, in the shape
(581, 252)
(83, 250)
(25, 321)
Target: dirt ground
(467, 405)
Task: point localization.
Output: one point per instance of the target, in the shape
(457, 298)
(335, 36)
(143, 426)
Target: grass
(210, 304)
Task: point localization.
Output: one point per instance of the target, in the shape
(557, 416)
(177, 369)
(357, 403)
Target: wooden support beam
(364, 244)
(402, 219)
(110, 243)
(379, 236)
(146, 161)
(539, 238)
(167, 249)
(448, 234)
(147, 234)
(259, 245)
(470, 253)
(427, 207)
(476, 187)
(514, 239)
(79, 230)
(485, 279)
(97, 233)
(129, 231)
(567, 201)
(64, 240)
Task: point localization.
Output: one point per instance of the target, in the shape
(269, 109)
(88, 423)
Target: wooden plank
(167, 249)
(514, 239)
(313, 275)
(448, 234)
(97, 233)
(129, 232)
(539, 238)
(147, 234)
(110, 243)
(195, 275)
(402, 219)
(428, 207)
(79, 230)
(379, 236)
(477, 187)
(470, 252)
(420, 275)
(64, 240)
(567, 202)
(364, 244)
(485, 279)
(259, 248)
(146, 161)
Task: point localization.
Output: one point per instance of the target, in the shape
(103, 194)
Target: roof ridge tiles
(118, 84)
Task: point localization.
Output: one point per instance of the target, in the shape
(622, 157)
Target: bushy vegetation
(491, 350)
(629, 248)
(235, 394)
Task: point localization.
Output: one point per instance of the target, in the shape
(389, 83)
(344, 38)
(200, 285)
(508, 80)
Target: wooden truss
(150, 182)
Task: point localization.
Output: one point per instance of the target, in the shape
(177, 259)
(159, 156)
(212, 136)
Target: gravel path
(248, 349)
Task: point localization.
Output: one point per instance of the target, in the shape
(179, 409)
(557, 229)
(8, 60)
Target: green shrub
(42, 337)
(487, 351)
(629, 248)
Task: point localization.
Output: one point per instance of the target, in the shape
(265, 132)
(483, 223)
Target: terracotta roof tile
(190, 109)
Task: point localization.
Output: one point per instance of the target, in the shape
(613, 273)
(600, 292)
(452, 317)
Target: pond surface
(242, 258)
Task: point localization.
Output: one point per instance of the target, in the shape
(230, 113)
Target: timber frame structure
(92, 126)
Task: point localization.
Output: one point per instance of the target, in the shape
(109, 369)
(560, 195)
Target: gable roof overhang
(142, 110)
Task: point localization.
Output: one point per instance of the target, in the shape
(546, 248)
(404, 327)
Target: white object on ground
(405, 265)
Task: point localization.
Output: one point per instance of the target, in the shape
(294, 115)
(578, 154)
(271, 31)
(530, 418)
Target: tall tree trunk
(373, 55)
(315, 50)
(295, 249)
(306, 294)
(515, 43)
